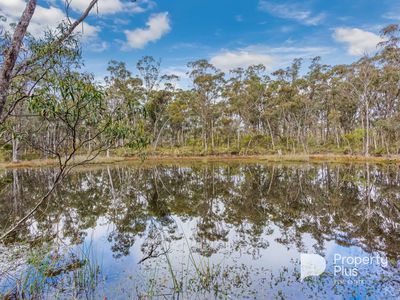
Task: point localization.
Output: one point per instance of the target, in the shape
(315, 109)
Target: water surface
(203, 231)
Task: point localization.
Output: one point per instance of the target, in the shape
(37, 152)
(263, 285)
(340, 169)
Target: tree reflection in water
(218, 210)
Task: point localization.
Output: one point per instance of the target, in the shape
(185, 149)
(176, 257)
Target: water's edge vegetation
(152, 159)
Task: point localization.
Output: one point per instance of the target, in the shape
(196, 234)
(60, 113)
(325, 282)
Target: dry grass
(40, 163)
(315, 158)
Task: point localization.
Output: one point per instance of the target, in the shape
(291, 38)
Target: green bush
(8, 147)
(355, 138)
(379, 152)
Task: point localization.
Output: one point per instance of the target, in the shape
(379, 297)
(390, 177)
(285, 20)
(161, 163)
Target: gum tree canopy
(11, 68)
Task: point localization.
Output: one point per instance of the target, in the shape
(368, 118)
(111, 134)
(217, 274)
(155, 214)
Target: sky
(229, 33)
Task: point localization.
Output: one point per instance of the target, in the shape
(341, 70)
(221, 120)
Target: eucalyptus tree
(234, 91)
(322, 116)
(178, 111)
(256, 83)
(158, 92)
(246, 92)
(25, 60)
(207, 88)
(65, 115)
(391, 43)
(125, 93)
(157, 106)
(388, 110)
(363, 80)
(13, 67)
(300, 107)
(289, 95)
(341, 98)
(68, 114)
(150, 71)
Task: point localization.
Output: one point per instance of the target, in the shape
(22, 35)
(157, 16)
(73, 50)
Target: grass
(197, 278)
(312, 158)
(189, 155)
(53, 273)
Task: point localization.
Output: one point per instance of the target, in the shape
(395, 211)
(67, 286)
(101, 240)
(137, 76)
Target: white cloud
(358, 41)
(229, 60)
(393, 13)
(44, 18)
(239, 18)
(291, 52)
(114, 6)
(291, 12)
(270, 57)
(104, 6)
(12, 7)
(391, 16)
(179, 71)
(97, 46)
(157, 26)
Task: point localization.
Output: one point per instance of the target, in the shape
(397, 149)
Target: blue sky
(228, 33)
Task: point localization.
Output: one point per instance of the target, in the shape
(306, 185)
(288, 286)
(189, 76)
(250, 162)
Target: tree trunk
(16, 190)
(158, 136)
(238, 139)
(337, 137)
(15, 145)
(271, 134)
(212, 136)
(367, 128)
(11, 56)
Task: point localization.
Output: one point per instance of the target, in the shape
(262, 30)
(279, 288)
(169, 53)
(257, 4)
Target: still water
(203, 231)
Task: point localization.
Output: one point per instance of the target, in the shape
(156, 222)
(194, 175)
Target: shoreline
(310, 158)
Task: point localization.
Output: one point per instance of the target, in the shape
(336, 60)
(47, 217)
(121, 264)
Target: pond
(204, 231)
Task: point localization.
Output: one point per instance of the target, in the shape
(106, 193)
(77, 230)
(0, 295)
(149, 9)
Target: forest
(54, 109)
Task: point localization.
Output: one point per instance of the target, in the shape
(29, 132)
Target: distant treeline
(344, 108)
